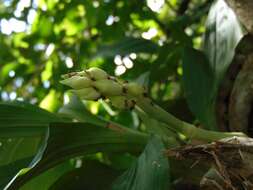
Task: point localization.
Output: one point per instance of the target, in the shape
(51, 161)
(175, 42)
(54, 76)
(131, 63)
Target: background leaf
(223, 32)
(75, 109)
(202, 76)
(198, 82)
(126, 46)
(150, 172)
(83, 177)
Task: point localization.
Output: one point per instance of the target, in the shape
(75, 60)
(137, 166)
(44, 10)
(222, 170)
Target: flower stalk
(94, 83)
(179, 126)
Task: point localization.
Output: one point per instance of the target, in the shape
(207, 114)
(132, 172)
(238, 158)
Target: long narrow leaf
(22, 130)
(202, 76)
(68, 140)
(198, 82)
(150, 172)
(223, 32)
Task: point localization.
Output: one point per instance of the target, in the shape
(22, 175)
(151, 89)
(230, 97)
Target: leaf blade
(82, 139)
(151, 171)
(198, 83)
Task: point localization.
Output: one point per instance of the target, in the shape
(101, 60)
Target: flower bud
(77, 82)
(134, 89)
(108, 87)
(82, 74)
(97, 73)
(87, 93)
(72, 74)
(68, 75)
(122, 102)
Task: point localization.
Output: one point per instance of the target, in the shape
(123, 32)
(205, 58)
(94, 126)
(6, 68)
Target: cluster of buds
(95, 83)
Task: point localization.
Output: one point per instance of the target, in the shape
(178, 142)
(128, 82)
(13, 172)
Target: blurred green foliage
(42, 39)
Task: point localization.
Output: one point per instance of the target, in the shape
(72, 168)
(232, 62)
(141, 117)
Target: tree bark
(243, 10)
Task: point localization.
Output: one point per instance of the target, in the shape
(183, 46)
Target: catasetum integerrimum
(95, 83)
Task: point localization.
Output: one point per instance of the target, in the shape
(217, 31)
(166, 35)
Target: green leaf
(9, 170)
(127, 46)
(223, 32)
(83, 178)
(143, 79)
(44, 26)
(198, 83)
(202, 76)
(67, 140)
(150, 172)
(14, 114)
(48, 178)
(22, 130)
(75, 109)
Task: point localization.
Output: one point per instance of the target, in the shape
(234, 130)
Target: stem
(179, 126)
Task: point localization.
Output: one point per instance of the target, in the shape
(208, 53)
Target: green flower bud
(68, 75)
(122, 102)
(87, 93)
(72, 74)
(108, 87)
(97, 73)
(77, 82)
(118, 101)
(82, 74)
(134, 89)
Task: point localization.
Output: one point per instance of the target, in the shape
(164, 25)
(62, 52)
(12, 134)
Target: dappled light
(106, 94)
